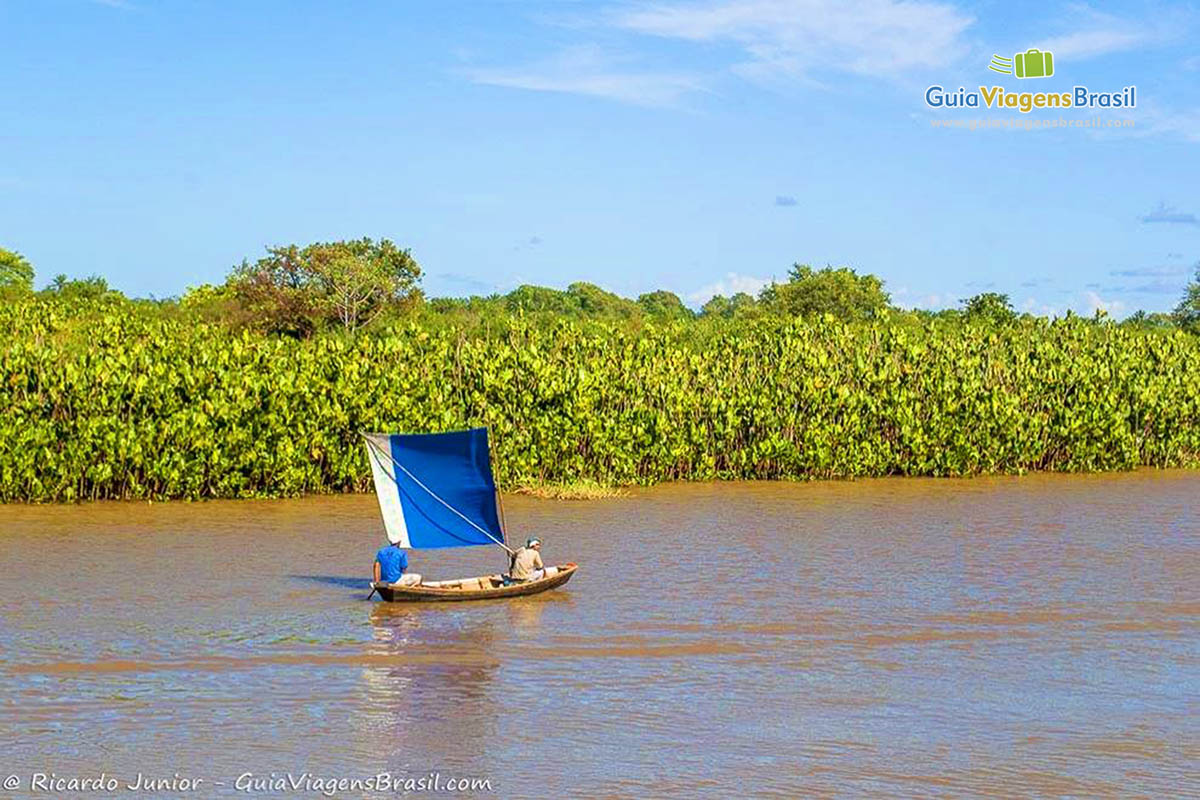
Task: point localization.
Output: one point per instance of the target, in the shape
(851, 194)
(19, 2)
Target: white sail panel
(387, 489)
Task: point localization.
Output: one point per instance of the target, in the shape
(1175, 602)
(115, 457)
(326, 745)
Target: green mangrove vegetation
(239, 391)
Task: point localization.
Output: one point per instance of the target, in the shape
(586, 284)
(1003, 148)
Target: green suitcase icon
(1033, 63)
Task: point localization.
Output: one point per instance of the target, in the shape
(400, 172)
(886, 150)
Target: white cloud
(1164, 213)
(1169, 271)
(1088, 44)
(936, 301)
(806, 40)
(1099, 33)
(1171, 122)
(1096, 303)
(930, 302)
(586, 70)
(731, 284)
(1036, 307)
(793, 38)
(1152, 119)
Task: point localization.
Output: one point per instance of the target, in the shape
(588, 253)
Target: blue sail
(436, 489)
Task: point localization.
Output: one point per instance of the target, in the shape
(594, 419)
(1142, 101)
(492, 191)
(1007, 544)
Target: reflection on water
(1033, 636)
(420, 707)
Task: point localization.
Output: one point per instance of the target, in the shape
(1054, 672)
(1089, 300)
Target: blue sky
(691, 146)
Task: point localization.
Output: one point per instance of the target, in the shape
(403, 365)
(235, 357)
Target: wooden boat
(484, 587)
(437, 490)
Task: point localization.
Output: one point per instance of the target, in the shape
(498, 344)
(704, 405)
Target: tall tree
(989, 307)
(664, 305)
(87, 288)
(361, 278)
(596, 302)
(15, 271)
(348, 283)
(530, 299)
(1187, 313)
(727, 307)
(839, 291)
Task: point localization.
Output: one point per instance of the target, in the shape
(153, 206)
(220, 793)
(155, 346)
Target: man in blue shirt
(391, 563)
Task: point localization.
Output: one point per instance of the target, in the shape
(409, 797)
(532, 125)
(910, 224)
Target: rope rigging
(378, 451)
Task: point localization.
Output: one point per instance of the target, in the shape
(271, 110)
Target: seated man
(391, 563)
(527, 563)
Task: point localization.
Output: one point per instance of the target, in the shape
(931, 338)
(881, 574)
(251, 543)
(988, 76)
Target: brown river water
(1003, 637)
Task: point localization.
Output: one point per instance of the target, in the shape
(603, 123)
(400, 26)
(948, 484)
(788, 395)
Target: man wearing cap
(390, 565)
(527, 563)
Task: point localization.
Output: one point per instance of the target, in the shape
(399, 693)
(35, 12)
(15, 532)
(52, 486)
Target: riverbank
(586, 492)
(580, 490)
(105, 402)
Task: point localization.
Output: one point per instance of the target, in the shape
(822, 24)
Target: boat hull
(484, 587)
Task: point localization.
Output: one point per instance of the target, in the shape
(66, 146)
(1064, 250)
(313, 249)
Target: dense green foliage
(64, 288)
(841, 292)
(261, 385)
(15, 271)
(1187, 313)
(989, 307)
(741, 304)
(296, 290)
(578, 301)
(664, 306)
(106, 397)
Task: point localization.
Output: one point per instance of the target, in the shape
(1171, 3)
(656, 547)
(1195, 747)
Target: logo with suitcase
(1033, 63)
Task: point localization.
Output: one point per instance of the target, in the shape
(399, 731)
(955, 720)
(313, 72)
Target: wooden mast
(499, 502)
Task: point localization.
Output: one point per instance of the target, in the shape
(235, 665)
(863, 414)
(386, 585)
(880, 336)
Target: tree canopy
(347, 283)
(664, 305)
(839, 291)
(299, 290)
(15, 271)
(1187, 313)
(87, 288)
(989, 307)
(578, 299)
(729, 307)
